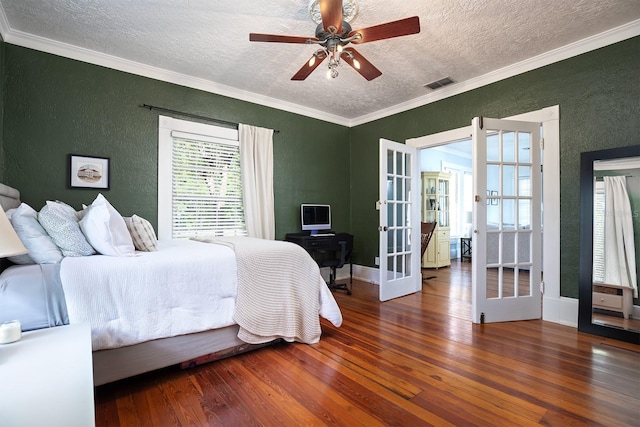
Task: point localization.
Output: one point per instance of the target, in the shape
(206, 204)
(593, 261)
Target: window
(199, 180)
(598, 232)
(461, 197)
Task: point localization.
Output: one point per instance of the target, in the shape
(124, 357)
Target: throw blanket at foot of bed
(281, 293)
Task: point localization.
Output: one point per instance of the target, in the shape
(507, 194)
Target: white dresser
(46, 378)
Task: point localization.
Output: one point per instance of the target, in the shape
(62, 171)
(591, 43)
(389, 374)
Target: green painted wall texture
(599, 98)
(55, 106)
(2, 90)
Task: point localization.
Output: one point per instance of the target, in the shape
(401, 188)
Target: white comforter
(184, 287)
(189, 286)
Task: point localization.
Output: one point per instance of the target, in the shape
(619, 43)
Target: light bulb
(356, 64)
(339, 48)
(332, 73)
(312, 61)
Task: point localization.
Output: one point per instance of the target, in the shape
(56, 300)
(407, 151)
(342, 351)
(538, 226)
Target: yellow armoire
(435, 207)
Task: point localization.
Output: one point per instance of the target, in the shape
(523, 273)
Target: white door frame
(555, 308)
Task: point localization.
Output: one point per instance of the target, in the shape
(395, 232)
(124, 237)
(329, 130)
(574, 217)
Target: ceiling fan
(334, 33)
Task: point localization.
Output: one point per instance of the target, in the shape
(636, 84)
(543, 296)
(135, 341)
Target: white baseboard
(561, 310)
(360, 272)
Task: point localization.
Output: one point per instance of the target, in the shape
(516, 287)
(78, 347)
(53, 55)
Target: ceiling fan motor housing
(324, 35)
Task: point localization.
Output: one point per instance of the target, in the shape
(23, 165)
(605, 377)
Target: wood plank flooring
(413, 361)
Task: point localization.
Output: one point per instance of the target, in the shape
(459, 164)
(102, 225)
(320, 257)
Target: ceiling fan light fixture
(334, 32)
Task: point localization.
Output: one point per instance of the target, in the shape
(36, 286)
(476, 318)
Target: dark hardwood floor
(412, 361)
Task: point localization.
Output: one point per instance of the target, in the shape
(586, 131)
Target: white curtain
(256, 163)
(619, 248)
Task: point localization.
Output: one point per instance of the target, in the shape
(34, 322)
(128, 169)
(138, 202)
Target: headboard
(9, 197)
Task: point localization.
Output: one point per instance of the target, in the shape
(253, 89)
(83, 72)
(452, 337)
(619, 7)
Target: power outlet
(376, 260)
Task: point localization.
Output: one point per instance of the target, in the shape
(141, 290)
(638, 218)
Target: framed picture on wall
(88, 172)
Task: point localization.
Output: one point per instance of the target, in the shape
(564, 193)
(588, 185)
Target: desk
(312, 244)
(321, 247)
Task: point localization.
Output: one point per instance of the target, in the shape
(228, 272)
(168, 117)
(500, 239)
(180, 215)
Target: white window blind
(598, 232)
(206, 187)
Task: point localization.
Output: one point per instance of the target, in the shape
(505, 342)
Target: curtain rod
(601, 178)
(194, 116)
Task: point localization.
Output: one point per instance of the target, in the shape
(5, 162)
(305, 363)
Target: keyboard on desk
(322, 235)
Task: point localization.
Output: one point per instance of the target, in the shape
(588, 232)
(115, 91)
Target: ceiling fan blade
(307, 69)
(366, 68)
(331, 11)
(274, 38)
(403, 27)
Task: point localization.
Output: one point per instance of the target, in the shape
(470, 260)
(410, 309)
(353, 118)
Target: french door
(399, 227)
(506, 271)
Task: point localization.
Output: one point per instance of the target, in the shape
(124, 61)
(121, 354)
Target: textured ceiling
(209, 41)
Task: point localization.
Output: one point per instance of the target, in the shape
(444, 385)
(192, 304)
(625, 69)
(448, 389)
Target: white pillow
(61, 222)
(42, 249)
(105, 229)
(142, 233)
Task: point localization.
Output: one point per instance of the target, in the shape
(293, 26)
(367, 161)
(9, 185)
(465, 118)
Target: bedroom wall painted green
(2, 90)
(599, 98)
(55, 106)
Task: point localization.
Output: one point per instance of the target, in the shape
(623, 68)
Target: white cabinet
(613, 298)
(46, 378)
(435, 207)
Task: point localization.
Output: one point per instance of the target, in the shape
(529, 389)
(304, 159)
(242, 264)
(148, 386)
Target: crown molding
(31, 41)
(614, 35)
(4, 24)
(19, 38)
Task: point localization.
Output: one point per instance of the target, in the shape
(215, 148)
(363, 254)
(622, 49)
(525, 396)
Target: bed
(186, 302)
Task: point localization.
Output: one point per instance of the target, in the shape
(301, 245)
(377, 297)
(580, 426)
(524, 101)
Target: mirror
(608, 268)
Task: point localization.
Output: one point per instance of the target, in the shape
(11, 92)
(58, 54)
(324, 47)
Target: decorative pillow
(61, 222)
(42, 249)
(142, 233)
(105, 229)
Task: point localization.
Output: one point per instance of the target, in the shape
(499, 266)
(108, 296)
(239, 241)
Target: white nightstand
(46, 378)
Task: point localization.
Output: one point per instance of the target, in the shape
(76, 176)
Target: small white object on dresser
(46, 378)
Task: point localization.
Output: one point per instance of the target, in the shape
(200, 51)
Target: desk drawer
(608, 301)
(317, 242)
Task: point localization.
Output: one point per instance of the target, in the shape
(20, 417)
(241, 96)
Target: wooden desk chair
(426, 231)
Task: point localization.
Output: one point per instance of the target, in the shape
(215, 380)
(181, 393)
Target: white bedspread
(184, 287)
(281, 293)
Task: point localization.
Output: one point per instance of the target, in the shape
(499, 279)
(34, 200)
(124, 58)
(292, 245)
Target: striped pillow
(142, 234)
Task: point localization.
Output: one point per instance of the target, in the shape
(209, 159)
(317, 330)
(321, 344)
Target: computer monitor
(315, 217)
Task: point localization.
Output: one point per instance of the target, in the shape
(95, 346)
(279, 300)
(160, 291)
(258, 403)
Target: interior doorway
(455, 160)
(555, 307)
